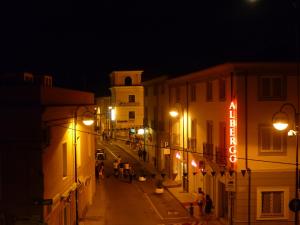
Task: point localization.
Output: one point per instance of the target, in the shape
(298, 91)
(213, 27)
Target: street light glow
(178, 155)
(280, 121)
(88, 118)
(88, 122)
(193, 163)
(141, 131)
(173, 113)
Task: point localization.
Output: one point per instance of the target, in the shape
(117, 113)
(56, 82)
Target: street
(119, 202)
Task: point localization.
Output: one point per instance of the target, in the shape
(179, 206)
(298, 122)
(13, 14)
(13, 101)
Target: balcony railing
(129, 104)
(208, 151)
(221, 156)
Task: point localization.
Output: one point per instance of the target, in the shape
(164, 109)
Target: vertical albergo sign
(232, 132)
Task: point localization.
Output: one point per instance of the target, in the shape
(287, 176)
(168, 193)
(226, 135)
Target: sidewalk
(174, 188)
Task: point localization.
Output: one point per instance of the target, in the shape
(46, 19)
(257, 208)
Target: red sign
(232, 133)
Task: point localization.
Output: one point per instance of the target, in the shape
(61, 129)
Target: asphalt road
(119, 202)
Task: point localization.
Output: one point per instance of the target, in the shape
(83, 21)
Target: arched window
(128, 81)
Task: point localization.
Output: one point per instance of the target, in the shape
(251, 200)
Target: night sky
(81, 42)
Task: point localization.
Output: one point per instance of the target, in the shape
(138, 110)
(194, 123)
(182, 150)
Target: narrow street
(119, 202)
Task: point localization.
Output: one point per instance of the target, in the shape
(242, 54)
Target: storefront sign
(232, 133)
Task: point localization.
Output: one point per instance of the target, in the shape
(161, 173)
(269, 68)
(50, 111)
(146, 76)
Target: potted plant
(142, 176)
(159, 189)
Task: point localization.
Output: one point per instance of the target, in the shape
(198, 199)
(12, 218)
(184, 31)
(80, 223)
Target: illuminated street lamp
(174, 112)
(88, 120)
(281, 122)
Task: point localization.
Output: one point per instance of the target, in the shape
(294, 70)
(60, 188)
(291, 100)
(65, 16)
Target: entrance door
(223, 201)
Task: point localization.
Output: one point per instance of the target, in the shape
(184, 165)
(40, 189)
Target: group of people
(123, 170)
(205, 204)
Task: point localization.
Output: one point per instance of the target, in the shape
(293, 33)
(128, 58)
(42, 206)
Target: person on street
(121, 170)
(97, 167)
(200, 200)
(115, 166)
(126, 168)
(208, 208)
(144, 155)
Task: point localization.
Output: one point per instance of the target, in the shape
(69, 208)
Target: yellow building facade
(127, 102)
(223, 141)
(49, 160)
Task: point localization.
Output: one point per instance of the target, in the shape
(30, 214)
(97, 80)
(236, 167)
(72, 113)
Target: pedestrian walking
(115, 166)
(208, 208)
(140, 153)
(121, 170)
(126, 168)
(200, 200)
(97, 173)
(191, 209)
(101, 172)
(144, 155)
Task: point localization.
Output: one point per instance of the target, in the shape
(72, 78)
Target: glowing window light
(232, 133)
(178, 155)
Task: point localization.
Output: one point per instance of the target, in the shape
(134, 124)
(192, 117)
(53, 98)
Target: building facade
(103, 121)
(47, 154)
(127, 102)
(156, 103)
(223, 141)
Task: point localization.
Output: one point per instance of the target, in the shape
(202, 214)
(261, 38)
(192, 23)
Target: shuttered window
(272, 203)
(272, 88)
(271, 140)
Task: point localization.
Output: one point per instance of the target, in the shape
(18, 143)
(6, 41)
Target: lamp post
(174, 113)
(280, 122)
(88, 120)
(142, 131)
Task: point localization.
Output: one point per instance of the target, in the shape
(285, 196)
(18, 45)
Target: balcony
(221, 156)
(208, 151)
(128, 104)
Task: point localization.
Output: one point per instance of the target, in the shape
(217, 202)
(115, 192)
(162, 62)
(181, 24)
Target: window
(209, 91)
(272, 88)
(271, 140)
(209, 131)
(128, 81)
(131, 98)
(192, 141)
(272, 203)
(222, 89)
(193, 92)
(131, 115)
(65, 159)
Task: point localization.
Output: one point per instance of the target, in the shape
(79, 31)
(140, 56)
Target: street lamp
(281, 122)
(143, 131)
(174, 112)
(88, 120)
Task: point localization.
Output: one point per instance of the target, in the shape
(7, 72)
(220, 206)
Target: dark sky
(81, 42)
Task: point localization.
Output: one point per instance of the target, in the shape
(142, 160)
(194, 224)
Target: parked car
(100, 154)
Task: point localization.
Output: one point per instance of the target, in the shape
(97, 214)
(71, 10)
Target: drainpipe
(246, 149)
